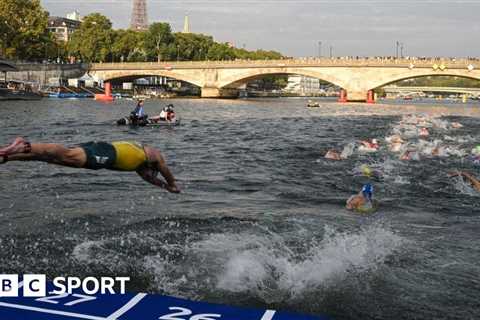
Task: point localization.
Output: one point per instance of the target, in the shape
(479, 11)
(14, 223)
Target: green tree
(192, 46)
(129, 46)
(258, 54)
(221, 51)
(93, 41)
(23, 29)
(158, 40)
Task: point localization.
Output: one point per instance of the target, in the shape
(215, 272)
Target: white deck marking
(129, 305)
(61, 313)
(268, 315)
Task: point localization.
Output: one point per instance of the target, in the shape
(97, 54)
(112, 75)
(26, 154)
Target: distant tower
(186, 25)
(139, 15)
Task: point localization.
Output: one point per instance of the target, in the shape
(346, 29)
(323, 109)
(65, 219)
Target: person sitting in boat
(167, 114)
(170, 113)
(138, 115)
(163, 114)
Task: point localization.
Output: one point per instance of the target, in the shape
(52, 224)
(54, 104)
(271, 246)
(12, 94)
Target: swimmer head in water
(367, 191)
(366, 171)
(424, 132)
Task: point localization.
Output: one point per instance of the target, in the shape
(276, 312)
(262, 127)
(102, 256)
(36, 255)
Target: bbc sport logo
(35, 285)
(21, 297)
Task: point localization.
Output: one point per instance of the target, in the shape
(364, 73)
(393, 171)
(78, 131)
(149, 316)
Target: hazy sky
(351, 27)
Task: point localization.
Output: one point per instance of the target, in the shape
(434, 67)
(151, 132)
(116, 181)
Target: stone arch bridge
(218, 79)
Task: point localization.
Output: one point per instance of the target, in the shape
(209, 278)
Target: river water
(261, 219)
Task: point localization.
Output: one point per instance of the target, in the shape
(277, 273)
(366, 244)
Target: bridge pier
(357, 96)
(209, 92)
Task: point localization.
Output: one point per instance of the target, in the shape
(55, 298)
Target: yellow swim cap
(366, 170)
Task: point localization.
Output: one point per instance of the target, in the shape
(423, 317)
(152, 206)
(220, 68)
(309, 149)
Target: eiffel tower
(139, 15)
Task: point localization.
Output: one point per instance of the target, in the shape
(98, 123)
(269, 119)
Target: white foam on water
(165, 279)
(347, 150)
(84, 251)
(267, 268)
(401, 180)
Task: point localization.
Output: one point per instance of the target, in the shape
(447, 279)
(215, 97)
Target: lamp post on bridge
(331, 51)
(319, 49)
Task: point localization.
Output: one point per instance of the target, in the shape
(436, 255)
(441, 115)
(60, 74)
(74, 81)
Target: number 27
(187, 312)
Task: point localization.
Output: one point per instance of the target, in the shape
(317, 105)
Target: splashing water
(268, 269)
(464, 187)
(347, 150)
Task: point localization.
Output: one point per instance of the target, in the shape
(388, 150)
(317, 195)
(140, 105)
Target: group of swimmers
(147, 161)
(411, 126)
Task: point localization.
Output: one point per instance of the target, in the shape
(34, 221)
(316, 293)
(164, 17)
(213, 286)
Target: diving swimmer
(146, 161)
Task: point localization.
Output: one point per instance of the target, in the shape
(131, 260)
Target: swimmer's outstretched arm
(475, 183)
(21, 150)
(156, 164)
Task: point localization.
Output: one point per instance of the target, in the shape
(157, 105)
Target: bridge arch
(424, 73)
(112, 76)
(240, 78)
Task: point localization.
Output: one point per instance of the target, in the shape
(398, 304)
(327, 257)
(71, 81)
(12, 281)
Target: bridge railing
(394, 88)
(327, 62)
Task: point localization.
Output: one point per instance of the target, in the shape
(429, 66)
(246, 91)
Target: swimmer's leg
(45, 152)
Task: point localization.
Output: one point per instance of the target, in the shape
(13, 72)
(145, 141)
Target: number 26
(187, 312)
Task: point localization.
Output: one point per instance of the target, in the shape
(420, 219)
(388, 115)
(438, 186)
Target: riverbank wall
(45, 73)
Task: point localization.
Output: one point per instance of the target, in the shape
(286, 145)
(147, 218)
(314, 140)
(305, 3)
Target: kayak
(148, 123)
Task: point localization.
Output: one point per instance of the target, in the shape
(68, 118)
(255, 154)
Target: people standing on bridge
(146, 161)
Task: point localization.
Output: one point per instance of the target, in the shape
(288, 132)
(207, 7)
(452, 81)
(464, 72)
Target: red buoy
(107, 96)
(343, 96)
(370, 96)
